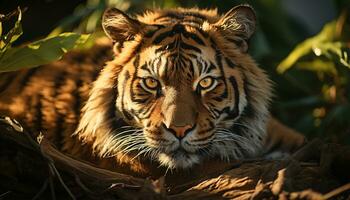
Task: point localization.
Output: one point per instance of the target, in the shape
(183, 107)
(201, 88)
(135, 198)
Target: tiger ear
(119, 26)
(238, 25)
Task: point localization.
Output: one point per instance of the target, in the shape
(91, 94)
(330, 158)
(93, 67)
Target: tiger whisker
(123, 140)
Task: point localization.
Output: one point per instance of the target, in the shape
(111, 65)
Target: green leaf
(313, 44)
(0, 29)
(13, 34)
(40, 52)
(318, 65)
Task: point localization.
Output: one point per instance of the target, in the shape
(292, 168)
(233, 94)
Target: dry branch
(29, 170)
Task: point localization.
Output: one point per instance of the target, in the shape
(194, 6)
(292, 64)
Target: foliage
(324, 44)
(7, 39)
(37, 53)
(326, 109)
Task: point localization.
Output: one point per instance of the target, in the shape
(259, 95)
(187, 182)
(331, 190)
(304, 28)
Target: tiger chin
(180, 91)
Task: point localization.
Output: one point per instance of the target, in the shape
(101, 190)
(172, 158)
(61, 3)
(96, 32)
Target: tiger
(166, 89)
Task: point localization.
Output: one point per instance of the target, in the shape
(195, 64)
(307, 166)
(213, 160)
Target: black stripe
(178, 28)
(127, 115)
(147, 112)
(170, 15)
(77, 97)
(191, 67)
(230, 63)
(145, 109)
(202, 32)
(135, 97)
(140, 100)
(173, 44)
(136, 64)
(158, 66)
(150, 33)
(217, 111)
(26, 78)
(237, 42)
(235, 111)
(167, 47)
(219, 63)
(182, 65)
(237, 129)
(145, 92)
(59, 80)
(248, 111)
(212, 111)
(191, 55)
(192, 22)
(202, 66)
(6, 81)
(166, 66)
(211, 67)
(58, 131)
(133, 112)
(183, 45)
(218, 99)
(181, 15)
(162, 36)
(38, 114)
(194, 37)
(145, 67)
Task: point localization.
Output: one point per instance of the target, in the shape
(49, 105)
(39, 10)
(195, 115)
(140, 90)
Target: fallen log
(32, 169)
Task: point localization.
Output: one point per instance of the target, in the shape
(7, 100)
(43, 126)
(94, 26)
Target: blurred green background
(303, 44)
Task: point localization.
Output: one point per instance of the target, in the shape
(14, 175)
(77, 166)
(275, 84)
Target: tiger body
(179, 89)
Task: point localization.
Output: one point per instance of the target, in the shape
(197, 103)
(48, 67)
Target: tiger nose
(180, 131)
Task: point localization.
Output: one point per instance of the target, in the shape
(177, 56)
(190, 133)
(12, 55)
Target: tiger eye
(151, 83)
(206, 82)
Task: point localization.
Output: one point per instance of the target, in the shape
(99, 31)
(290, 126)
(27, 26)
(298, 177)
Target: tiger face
(178, 94)
(185, 86)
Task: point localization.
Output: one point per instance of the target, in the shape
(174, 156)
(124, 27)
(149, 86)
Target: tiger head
(181, 88)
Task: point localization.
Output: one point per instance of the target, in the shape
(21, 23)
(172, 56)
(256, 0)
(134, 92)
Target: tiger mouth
(179, 158)
(180, 151)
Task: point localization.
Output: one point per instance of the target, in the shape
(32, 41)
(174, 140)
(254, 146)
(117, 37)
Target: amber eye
(206, 83)
(151, 83)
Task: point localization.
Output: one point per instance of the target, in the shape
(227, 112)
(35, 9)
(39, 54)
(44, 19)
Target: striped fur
(119, 123)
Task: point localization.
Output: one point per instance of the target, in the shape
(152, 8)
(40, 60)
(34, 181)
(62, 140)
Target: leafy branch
(33, 54)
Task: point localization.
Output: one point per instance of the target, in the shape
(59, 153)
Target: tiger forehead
(182, 15)
(178, 68)
(168, 67)
(178, 51)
